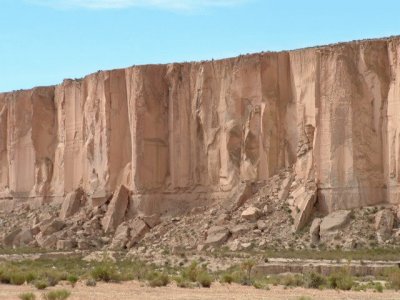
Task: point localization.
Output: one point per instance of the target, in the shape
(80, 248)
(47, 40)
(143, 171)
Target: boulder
(284, 189)
(72, 203)
(99, 198)
(267, 209)
(398, 214)
(304, 198)
(262, 225)
(66, 244)
(35, 229)
(83, 244)
(49, 227)
(116, 210)
(138, 229)
(92, 225)
(396, 235)
(23, 238)
(121, 236)
(246, 246)
(384, 221)
(234, 245)
(251, 214)
(47, 242)
(239, 230)
(222, 219)
(9, 238)
(334, 221)
(315, 230)
(217, 235)
(238, 196)
(152, 221)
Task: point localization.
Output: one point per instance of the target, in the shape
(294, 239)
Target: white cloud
(163, 4)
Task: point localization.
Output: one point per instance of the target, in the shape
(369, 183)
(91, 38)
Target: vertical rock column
(392, 149)
(350, 167)
(69, 162)
(148, 116)
(31, 136)
(4, 170)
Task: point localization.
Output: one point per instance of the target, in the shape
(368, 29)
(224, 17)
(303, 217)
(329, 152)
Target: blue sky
(44, 41)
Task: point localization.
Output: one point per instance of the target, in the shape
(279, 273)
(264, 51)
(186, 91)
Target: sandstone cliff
(182, 134)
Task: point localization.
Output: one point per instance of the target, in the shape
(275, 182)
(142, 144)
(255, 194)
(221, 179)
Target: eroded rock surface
(192, 132)
(263, 143)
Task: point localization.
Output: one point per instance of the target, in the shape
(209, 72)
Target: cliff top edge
(316, 47)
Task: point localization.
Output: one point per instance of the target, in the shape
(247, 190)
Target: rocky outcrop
(116, 210)
(384, 221)
(72, 204)
(217, 235)
(334, 221)
(187, 134)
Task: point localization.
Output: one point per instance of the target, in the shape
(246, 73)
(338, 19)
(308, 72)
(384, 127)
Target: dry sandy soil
(136, 290)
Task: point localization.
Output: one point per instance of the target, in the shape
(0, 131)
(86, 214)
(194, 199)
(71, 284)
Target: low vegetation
(196, 273)
(44, 273)
(393, 276)
(72, 279)
(27, 296)
(385, 254)
(158, 279)
(57, 295)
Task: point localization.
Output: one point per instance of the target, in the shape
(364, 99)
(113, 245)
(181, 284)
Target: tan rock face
(181, 134)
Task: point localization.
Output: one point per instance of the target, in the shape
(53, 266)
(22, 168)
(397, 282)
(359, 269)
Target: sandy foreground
(136, 290)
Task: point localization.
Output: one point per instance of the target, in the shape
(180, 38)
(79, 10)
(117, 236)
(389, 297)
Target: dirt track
(139, 291)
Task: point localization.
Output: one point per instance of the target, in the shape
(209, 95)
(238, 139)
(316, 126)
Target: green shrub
(274, 280)
(341, 280)
(190, 273)
(378, 287)
(204, 279)
(52, 278)
(30, 277)
(314, 280)
(196, 273)
(292, 280)
(157, 279)
(257, 284)
(394, 278)
(91, 282)
(27, 296)
(17, 279)
(359, 287)
(57, 295)
(5, 277)
(105, 272)
(72, 279)
(227, 278)
(182, 282)
(41, 284)
(247, 267)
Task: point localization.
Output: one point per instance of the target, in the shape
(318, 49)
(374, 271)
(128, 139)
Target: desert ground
(138, 291)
